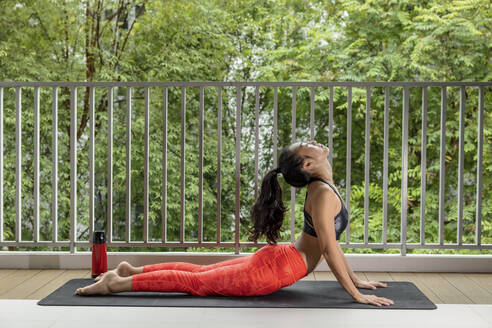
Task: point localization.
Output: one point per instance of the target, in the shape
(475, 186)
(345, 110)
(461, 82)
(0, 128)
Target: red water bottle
(99, 254)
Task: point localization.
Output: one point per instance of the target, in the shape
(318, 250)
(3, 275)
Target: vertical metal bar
(349, 159)
(330, 123)
(91, 162)
(404, 171)
(238, 158)
(366, 162)
(257, 109)
(1, 164)
(183, 131)
(478, 214)
(311, 121)
(54, 163)
(36, 165)
(423, 166)
(110, 166)
(146, 167)
(385, 163)
(275, 125)
(164, 166)
(219, 154)
(292, 189)
(442, 160)
(128, 200)
(200, 172)
(73, 168)
(461, 160)
(18, 166)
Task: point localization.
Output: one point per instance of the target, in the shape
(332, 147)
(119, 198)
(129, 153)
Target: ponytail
(268, 210)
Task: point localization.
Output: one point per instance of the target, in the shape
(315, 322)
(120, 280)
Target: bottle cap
(99, 237)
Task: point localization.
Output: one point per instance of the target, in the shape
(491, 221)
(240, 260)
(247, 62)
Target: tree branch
(113, 46)
(99, 32)
(128, 34)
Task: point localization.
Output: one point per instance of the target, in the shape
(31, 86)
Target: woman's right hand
(373, 299)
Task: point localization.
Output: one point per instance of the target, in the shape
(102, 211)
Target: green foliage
(246, 40)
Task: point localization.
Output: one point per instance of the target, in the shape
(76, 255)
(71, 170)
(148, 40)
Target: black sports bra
(341, 219)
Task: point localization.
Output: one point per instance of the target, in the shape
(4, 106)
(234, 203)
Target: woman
(271, 267)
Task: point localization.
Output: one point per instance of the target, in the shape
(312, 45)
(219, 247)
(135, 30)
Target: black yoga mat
(302, 294)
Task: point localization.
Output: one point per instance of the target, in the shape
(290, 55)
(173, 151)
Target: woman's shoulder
(322, 194)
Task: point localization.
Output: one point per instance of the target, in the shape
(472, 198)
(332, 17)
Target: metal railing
(73, 242)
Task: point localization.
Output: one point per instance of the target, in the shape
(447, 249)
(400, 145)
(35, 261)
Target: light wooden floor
(440, 288)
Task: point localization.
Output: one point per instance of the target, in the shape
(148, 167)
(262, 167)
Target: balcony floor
(463, 300)
(442, 288)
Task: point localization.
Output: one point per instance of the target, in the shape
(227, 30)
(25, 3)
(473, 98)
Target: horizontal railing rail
(245, 83)
(73, 243)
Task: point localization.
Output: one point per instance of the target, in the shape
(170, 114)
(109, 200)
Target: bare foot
(105, 286)
(124, 269)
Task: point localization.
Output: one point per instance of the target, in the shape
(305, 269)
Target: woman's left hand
(369, 284)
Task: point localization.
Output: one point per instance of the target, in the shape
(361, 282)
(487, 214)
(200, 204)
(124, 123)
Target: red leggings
(269, 269)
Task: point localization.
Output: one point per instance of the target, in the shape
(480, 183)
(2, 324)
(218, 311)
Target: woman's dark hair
(268, 210)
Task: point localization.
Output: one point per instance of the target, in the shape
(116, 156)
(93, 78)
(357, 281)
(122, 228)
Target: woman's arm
(352, 275)
(328, 205)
